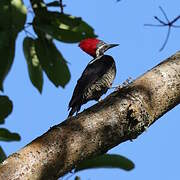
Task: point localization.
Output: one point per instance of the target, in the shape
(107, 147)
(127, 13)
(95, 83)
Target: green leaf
(12, 18)
(12, 15)
(6, 135)
(106, 161)
(2, 121)
(53, 4)
(34, 67)
(5, 108)
(52, 62)
(7, 50)
(63, 27)
(18, 16)
(2, 155)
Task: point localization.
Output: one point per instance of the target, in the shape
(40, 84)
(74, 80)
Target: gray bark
(122, 116)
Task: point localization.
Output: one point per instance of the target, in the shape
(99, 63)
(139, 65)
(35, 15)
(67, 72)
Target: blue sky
(156, 152)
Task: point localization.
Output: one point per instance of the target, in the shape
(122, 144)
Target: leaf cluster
(41, 54)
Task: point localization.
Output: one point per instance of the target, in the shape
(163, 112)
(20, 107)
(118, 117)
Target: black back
(94, 70)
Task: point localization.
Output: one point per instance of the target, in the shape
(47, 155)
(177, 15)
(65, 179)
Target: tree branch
(122, 116)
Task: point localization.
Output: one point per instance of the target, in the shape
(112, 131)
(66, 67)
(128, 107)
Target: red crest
(89, 46)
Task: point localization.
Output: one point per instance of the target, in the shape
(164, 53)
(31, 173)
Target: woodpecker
(97, 77)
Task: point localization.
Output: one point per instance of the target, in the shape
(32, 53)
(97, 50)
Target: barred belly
(101, 85)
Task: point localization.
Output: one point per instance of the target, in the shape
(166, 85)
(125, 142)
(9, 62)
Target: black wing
(94, 70)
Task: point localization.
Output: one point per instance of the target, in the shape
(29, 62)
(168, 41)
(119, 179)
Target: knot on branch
(138, 117)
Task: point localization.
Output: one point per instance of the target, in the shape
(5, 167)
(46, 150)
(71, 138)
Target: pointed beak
(103, 48)
(109, 46)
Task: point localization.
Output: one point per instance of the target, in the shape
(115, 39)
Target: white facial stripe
(98, 51)
(95, 59)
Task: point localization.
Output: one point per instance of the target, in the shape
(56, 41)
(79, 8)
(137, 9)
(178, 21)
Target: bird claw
(124, 84)
(127, 81)
(99, 100)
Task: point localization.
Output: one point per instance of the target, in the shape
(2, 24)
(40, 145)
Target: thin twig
(160, 21)
(61, 6)
(175, 26)
(177, 18)
(155, 25)
(164, 14)
(170, 24)
(166, 40)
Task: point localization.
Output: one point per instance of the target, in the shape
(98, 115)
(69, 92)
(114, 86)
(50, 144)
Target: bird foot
(124, 84)
(99, 100)
(127, 81)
